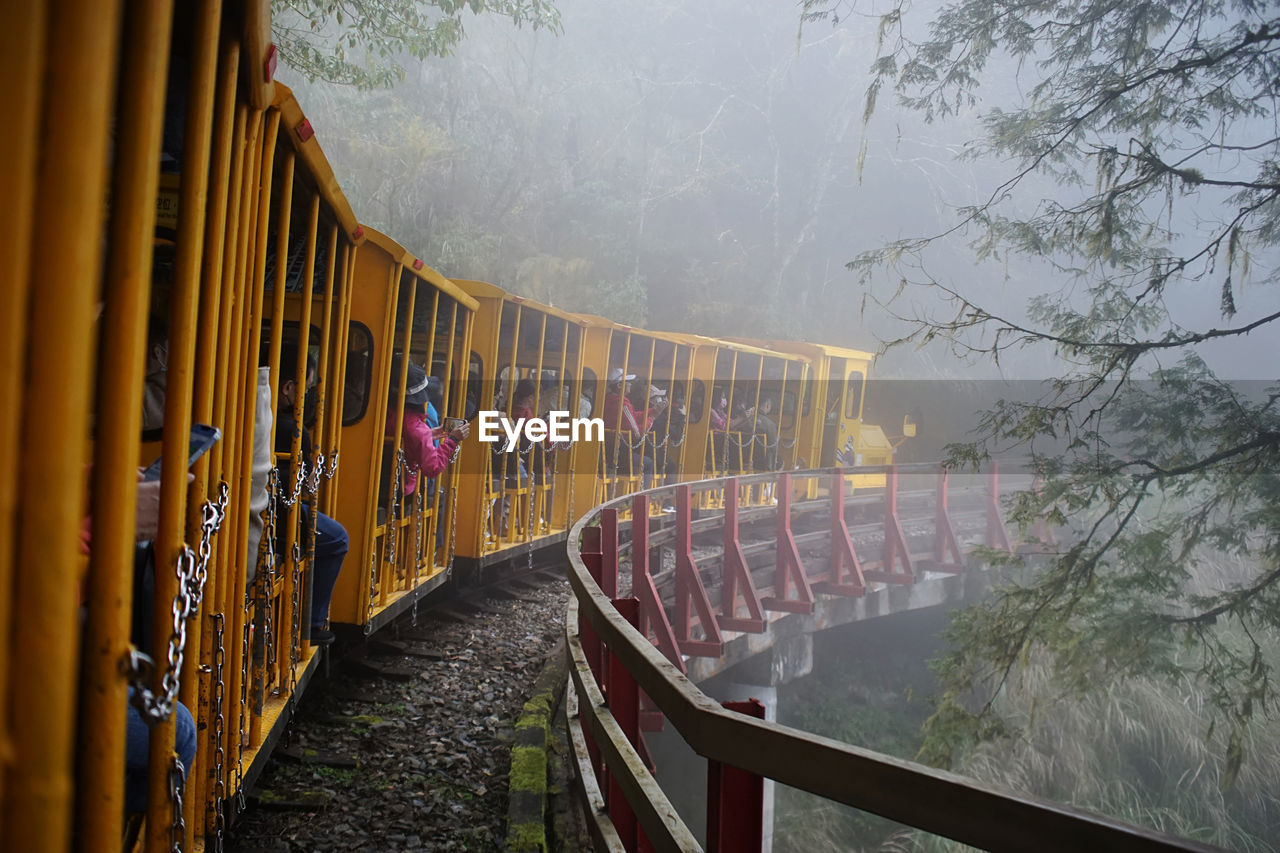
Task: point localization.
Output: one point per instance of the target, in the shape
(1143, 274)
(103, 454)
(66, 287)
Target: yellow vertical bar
(382, 383)
(127, 287)
(324, 414)
(239, 282)
(285, 628)
(446, 480)
(22, 43)
(249, 358)
(435, 495)
(398, 384)
(67, 236)
(193, 199)
(209, 343)
(339, 366)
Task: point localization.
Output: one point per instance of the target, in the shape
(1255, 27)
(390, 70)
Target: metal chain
(212, 514)
(243, 728)
(420, 526)
(270, 520)
(333, 465)
(299, 479)
(313, 478)
(219, 731)
(139, 666)
(178, 830)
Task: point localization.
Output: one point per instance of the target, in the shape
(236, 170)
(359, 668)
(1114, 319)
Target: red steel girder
(735, 572)
(789, 569)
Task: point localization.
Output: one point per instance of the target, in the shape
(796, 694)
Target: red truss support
(997, 536)
(735, 799)
(845, 575)
(690, 590)
(788, 566)
(945, 543)
(736, 573)
(653, 623)
(895, 541)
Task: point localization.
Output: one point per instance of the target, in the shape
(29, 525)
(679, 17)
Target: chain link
(140, 667)
(333, 465)
(178, 830)
(219, 731)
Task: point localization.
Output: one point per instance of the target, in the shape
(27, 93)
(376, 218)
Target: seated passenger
(425, 449)
(331, 541)
(620, 415)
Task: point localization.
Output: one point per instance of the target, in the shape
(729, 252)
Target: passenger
(263, 462)
(331, 541)
(426, 449)
(619, 414)
(137, 730)
(671, 424)
(766, 426)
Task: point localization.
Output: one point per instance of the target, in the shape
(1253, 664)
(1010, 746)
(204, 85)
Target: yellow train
(177, 251)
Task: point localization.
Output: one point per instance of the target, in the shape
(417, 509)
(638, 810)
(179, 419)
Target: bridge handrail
(933, 800)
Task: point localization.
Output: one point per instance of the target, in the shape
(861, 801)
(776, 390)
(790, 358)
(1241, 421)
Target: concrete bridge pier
(683, 774)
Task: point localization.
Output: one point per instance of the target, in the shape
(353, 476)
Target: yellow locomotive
(152, 129)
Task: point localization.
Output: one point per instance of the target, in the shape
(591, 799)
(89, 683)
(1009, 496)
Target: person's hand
(460, 432)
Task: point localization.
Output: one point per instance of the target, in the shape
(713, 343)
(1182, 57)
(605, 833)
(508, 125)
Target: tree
(359, 42)
(1156, 123)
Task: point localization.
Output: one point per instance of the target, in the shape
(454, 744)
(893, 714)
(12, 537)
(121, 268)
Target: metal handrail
(923, 797)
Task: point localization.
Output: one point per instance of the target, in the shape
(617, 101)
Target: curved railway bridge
(680, 583)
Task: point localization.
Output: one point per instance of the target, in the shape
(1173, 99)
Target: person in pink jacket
(417, 438)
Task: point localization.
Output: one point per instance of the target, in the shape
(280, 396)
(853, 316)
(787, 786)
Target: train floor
(406, 744)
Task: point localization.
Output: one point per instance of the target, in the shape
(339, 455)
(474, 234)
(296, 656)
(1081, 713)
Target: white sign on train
(559, 427)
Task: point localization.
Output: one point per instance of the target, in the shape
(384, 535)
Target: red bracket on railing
(895, 541)
(788, 566)
(624, 704)
(843, 555)
(735, 799)
(945, 543)
(653, 619)
(735, 572)
(689, 588)
(609, 546)
(997, 536)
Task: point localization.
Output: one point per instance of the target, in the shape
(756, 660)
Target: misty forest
(1084, 194)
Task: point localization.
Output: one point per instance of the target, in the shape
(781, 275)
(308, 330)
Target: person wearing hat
(620, 415)
(331, 542)
(426, 449)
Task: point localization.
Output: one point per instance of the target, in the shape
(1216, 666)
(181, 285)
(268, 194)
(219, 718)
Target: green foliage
(361, 42)
(1155, 123)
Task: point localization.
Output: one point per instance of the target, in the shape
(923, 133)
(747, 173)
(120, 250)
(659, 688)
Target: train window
(355, 387)
(853, 395)
(697, 401)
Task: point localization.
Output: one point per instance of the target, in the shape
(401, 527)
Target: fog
(694, 165)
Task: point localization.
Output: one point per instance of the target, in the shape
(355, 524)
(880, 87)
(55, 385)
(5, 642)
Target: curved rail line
(613, 663)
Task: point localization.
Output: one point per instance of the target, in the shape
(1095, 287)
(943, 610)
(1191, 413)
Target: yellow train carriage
(832, 430)
(146, 138)
(513, 502)
(653, 370)
(401, 545)
(744, 404)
